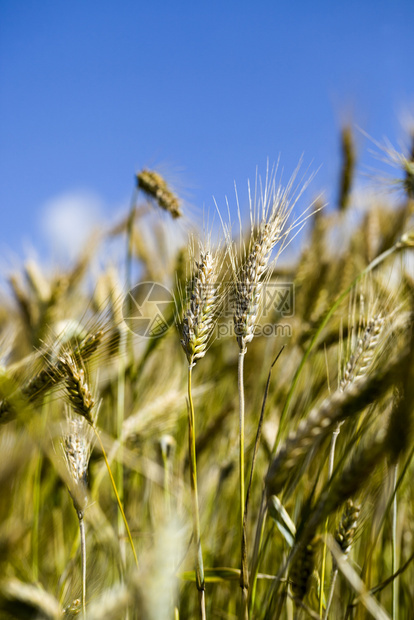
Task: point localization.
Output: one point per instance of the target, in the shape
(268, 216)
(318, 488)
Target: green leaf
(283, 522)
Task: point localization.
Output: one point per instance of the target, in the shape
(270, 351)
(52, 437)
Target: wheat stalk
(196, 329)
(82, 401)
(76, 444)
(269, 227)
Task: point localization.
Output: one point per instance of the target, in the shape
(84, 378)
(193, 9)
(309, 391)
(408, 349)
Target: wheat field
(205, 429)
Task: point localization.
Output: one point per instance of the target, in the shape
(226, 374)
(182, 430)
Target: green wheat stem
(194, 493)
(330, 472)
(241, 433)
(256, 551)
(331, 593)
(244, 579)
(83, 560)
(120, 410)
(254, 570)
(117, 496)
(394, 544)
(386, 511)
(323, 569)
(36, 510)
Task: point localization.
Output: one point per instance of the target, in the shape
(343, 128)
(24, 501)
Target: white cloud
(68, 220)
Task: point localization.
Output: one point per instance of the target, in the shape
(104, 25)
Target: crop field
(216, 425)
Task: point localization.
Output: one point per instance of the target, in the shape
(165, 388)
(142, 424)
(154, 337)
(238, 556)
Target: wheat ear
(196, 328)
(301, 570)
(323, 419)
(51, 375)
(268, 229)
(356, 367)
(82, 401)
(248, 287)
(348, 167)
(157, 188)
(76, 446)
(348, 482)
(198, 321)
(344, 536)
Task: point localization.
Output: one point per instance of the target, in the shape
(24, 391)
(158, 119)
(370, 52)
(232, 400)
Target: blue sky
(90, 92)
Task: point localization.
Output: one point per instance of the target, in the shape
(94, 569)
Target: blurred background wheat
(327, 442)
